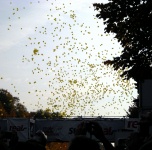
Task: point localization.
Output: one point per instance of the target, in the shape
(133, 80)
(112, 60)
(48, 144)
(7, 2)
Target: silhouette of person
(82, 142)
(3, 146)
(38, 142)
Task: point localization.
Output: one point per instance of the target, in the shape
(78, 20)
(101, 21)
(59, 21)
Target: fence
(63, 129)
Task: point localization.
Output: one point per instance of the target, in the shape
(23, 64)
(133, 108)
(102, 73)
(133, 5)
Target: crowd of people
(141, 140)
(38, 142)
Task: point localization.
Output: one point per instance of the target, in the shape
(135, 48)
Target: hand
(97, 131)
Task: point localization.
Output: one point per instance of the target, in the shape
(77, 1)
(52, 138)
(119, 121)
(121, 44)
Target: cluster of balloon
(67, 53)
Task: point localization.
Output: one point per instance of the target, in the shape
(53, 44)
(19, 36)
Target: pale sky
(67, 73)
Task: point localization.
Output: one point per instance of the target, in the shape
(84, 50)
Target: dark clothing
(29, 145)
(83, 143)
(3, 146)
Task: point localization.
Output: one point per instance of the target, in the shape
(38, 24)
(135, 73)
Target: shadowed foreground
(57, 146)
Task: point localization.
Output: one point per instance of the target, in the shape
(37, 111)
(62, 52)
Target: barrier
(64, 129)
(132, 124)
(3, 125)
(21, 126)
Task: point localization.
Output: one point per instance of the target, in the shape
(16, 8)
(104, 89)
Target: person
(82, 142)
(134, 141)
(145, 133)
(8, 140)
(3, 146)
(38, 142)
(141, 140)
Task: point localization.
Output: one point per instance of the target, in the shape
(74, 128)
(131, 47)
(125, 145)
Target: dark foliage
(133, 112)
(47, 114)
(130, 21)
(10, 106)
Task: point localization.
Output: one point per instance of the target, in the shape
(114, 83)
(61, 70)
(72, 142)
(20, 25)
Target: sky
(52, 54)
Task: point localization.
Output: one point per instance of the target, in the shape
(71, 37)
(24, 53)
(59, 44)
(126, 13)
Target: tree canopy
(130, 21)
(10, 106)
(134, 110)
(47, 114)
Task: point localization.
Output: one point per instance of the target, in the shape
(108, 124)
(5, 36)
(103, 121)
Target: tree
(21, 111)
(7, 102)
(133, 111)
(130, 21)
(47, 114)
(10, 106)
(2, 111)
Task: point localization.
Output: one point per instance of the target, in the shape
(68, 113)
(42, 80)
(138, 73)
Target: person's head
(83, 143)
(134, 141)
(145, 124)
(40, 137)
